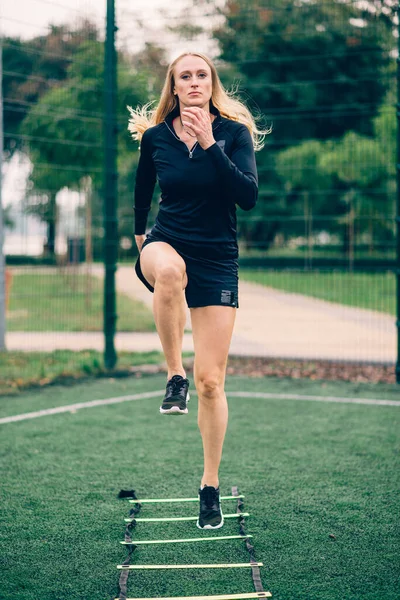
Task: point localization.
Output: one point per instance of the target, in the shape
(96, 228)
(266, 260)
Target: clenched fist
(198, 121)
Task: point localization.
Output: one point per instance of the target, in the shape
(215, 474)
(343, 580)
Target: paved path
(269, 323)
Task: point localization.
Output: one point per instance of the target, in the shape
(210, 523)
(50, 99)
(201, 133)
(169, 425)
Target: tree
(31, 68)
(316, 69)
(149, 66)
(65, 130)
(351, 180)
(365, 169)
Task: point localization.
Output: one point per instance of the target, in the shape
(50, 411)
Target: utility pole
(2, 259)
(110, 188)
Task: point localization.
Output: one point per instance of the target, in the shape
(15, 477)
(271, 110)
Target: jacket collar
(175, 112)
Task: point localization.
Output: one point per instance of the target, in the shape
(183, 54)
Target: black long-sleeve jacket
(199, 188)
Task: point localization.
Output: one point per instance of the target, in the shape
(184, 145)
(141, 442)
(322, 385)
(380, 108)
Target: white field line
(74, 407)
(267, 396)
(261, 395)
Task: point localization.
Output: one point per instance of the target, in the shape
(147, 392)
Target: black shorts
(212, 277)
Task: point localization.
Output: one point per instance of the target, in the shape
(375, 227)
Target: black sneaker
(210, 516)
(176, 397)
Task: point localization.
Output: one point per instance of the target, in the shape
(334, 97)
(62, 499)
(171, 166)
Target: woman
(199, 142)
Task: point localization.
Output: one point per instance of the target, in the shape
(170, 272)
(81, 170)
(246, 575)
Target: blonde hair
(225, 101)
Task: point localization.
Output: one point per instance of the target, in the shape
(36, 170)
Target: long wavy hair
(225, 101)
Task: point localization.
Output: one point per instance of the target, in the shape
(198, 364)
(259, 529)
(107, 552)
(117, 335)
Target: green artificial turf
(320, 481)
(375, 291)
(61, 302)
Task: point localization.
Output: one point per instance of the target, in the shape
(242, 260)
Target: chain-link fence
(317, 254)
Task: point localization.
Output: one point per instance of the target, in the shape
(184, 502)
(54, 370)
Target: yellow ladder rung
(202, 566)
(170, 519)
(163, 500)
(223, 597)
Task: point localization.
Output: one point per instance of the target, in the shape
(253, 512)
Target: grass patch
(317, 252)
(320, 481)
(21, 370)
(375, 291)
(58, 302)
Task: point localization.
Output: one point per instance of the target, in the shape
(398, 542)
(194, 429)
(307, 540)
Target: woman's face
(193, 81)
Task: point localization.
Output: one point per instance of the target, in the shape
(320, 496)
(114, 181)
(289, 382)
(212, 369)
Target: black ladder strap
(255, 570)
(123, 578)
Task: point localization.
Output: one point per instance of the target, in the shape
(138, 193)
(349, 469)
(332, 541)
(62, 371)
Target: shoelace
(209, 495)
(176, 385)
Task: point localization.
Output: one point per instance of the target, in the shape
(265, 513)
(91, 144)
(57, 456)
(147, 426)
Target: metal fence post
(398, 203)
(2, 258)
(110, 188)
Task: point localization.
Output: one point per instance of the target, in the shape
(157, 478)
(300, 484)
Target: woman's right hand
(139, 239)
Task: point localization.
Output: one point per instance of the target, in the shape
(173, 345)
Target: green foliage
(356, 165)
(7, 219)
(319, 71)
(31, 68)
(354, 160)
(301, 164)
(66, 126)
(65, 130)
(144, 73)
(308, 66)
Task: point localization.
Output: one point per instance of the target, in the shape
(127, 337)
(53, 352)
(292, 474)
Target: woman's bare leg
(165, 270)
(212, 328)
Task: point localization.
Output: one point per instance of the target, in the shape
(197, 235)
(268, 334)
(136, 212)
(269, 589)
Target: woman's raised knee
(169, 275)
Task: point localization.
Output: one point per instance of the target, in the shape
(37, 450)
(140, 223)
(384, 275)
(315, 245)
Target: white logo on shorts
(227, 297)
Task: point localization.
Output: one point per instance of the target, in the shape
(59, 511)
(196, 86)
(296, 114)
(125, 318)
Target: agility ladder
(131, 545)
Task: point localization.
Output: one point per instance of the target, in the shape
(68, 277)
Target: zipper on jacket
(192, 150)
(179, 139)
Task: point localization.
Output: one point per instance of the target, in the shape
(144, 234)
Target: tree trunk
(50, 245)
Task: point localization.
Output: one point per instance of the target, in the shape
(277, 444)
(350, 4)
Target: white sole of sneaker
(175, 410)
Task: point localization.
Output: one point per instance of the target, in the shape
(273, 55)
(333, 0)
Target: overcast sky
(28, 18)
(31, 17)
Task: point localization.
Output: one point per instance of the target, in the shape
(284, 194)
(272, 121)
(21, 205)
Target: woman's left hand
(198, 121)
